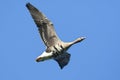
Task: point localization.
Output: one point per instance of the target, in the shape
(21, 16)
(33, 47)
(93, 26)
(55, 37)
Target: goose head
(78, 40)
(67, 45)
(56, 49)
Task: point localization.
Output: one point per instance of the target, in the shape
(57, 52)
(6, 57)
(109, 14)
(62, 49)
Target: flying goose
(56, 49)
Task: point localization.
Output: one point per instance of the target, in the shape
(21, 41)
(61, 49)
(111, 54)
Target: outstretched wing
(44, 25)
(63, 59)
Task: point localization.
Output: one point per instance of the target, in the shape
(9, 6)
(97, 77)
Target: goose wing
(44, 25)
(63, 59)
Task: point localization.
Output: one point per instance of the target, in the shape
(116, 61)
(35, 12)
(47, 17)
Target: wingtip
(27, 4)
(61, 67)
(63, 60)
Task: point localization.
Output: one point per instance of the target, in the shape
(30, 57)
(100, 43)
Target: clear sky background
(96, 58)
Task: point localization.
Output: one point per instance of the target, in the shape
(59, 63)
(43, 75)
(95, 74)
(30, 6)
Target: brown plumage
(56, 49)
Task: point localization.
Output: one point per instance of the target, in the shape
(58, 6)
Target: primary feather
(56, 49)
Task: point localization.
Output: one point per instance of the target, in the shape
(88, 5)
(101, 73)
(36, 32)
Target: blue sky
(96, 58)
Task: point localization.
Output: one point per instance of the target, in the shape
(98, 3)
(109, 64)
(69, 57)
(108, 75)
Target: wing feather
(63, 59)
(44, 25)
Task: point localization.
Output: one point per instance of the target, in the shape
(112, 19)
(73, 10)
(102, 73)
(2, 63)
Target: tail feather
(63, 59)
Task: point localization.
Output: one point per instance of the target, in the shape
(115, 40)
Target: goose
(55, 48)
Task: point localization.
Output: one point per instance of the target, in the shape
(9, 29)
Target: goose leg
(56, 52)
(57, 49)
(62, 48)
